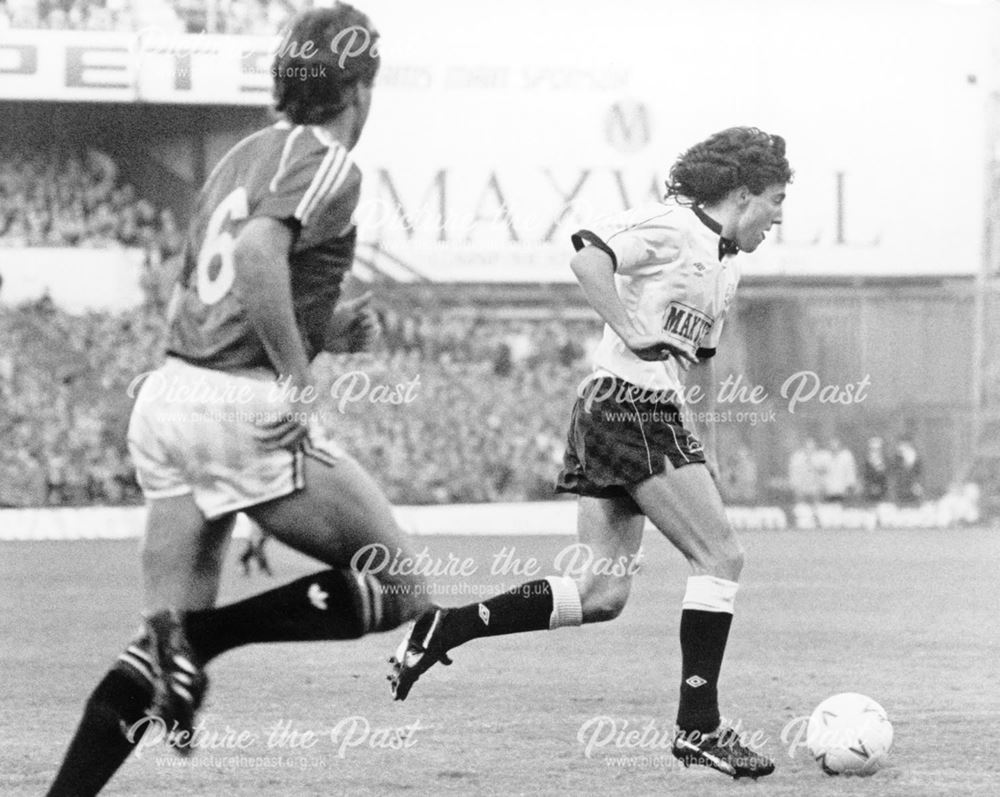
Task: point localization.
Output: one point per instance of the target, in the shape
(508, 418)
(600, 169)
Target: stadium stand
(245, 17)
(77, 199)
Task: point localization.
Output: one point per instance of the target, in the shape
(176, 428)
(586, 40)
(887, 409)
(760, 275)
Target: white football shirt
(670, 277)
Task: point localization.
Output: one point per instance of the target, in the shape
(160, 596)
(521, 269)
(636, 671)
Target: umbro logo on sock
(317, 597)
(484, 614)
(695, 681)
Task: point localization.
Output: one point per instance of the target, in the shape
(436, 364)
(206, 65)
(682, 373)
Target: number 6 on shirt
(218, 243)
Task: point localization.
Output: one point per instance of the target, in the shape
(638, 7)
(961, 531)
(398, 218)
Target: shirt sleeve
(635, 241)
(315, 188)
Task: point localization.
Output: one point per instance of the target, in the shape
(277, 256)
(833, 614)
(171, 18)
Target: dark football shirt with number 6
(298, 175)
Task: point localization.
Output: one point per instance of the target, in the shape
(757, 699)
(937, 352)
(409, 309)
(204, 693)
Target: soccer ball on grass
(849, 734)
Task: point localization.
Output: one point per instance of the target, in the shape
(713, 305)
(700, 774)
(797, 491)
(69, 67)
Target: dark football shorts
(623, 437)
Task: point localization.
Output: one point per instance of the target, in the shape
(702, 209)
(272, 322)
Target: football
(849, 734)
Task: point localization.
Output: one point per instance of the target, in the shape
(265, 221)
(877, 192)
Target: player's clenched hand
(354, 325)
(655, 346)
(364, 327)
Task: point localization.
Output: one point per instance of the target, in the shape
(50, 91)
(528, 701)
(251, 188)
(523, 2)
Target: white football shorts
(192, 431)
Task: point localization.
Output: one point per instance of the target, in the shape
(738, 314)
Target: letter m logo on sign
(627, 126)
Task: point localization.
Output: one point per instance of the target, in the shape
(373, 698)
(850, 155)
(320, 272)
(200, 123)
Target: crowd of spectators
(489, 404)
(64, 403)
(77, 199)
(831, 473)
(488, 409)
(244, 17)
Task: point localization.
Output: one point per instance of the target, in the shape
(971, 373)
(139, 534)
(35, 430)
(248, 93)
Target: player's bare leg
(612, 529)
(182, 556)
(341, 513)
(684, 504)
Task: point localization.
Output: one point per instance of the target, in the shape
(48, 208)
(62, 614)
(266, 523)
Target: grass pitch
(909, 618)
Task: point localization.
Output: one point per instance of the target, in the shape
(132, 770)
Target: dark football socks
(534, 606)
(100, 744)
(332, 604)
(705, 622)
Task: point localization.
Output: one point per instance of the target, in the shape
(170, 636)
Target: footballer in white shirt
(662, 277)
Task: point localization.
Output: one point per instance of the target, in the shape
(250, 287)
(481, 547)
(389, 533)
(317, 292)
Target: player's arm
(702, 377)
(595, 272)
(263, 282)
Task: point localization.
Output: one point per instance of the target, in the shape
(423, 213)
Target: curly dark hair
(324, 53)
(726, 160)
